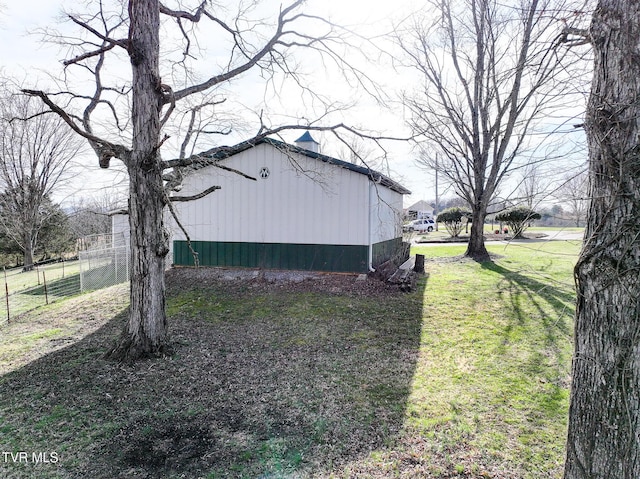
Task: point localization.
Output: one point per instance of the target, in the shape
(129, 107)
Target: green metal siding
(305, 257)
(386, 250)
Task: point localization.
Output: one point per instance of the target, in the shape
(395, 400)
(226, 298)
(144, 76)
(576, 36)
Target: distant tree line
(37, 158)
(49, 233)
(58, 229)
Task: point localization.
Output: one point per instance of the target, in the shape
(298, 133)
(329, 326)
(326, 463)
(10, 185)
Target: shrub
(453, 220)
(518, 219)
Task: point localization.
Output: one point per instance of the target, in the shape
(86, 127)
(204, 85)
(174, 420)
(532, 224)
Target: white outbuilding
(304, 211)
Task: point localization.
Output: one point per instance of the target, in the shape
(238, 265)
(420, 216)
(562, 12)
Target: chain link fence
(105, 264)
(27, 290)
(101, 268)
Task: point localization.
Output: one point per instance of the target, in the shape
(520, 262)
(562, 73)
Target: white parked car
(420, 226)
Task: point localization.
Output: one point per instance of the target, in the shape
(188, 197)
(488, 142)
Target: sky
(24, 57)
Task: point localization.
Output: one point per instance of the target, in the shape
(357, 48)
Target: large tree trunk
(604, 424)
(476, 248)
(146, 330)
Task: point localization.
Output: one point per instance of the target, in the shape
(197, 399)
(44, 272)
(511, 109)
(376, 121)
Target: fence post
(80, 268)
(6, 292)
(46, 294)
(63, 267)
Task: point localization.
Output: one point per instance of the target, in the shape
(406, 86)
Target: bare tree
(491, 72)
(36, 152)
(167, 87)
(531, 187)
(574, 193)
(604, 416)
(90, 216)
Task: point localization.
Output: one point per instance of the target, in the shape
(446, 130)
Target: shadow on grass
(544, 298)
(66, 286)
(265, 381)
(544, 313)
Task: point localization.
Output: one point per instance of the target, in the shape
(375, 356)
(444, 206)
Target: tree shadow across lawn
(540, 310)
(546, 298)
(267, 380)
(67, 286)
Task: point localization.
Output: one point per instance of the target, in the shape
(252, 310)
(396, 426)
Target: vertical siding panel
(242, 254)
(298, 259)
(251, 255)
(269, 256)
(235, 254)
(177, 253)
(244, 202)
(289, 208)
(224, 254)
(274, 190)
(188, 259)
(187, 254)
(214, 254)
(285, 257)
(211, 253)
(259, 255)
(219, 254)
(230, 252)
(276, 260)
(224, 220)
(245, 255)
(200, 247)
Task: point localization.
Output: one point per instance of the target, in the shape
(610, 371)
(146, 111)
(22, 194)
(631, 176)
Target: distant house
(306, 211)
(419, 210)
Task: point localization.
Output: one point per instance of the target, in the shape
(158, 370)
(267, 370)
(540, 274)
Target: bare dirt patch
(181, 279)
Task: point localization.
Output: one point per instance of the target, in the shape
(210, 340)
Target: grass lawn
(27, 289)
(18, 280)
(466, 377)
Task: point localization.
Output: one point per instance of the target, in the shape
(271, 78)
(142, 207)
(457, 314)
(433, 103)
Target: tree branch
(250, 63)
(582, 34)
(233, 170)
(87, 55)
(105, 149)
(123, 211)
(175, 199)
(110, 43)
(194, 17)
